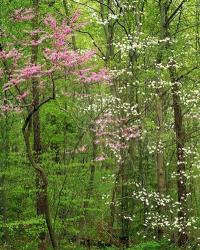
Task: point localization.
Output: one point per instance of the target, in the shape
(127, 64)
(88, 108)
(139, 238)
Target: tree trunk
(161, 182)
(124, 237)
(113, 206)
(40, 196)
(179, 135)
(108, 29)
(180, 141)
(42, 204)
(43, 198)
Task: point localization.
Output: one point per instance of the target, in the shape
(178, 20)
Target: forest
(99, 124)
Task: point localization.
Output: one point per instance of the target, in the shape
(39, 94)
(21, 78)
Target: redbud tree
(20, 73)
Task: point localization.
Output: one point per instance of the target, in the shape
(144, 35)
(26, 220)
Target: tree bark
(40, 195)
(42, 204)
(161, 180)
(180, 142)
(108, 29)
(179, 134)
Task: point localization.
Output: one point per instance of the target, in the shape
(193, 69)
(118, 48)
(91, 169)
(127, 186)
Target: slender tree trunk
(159, 151)
(124, 237)
(42, 203)
(108, 29)
(65, 5)
(89, 191)
(161, 182)
(179, 134)
(92, 172)
(36, 129)
(180, 142)
(113, 206)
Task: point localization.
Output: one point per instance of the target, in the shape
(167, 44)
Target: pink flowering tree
(20, 71)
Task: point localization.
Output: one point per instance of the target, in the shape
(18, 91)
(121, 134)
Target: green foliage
(153, 245)
(81, 190)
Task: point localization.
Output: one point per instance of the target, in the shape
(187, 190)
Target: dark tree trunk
(124, 237)
(179, 130)
(36, 130)
(180, 141)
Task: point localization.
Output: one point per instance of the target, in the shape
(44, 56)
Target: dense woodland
(99, 124)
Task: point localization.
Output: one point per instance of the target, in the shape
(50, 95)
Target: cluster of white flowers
(191, 100)
(154, 218)
(98, 20)
(154, 147)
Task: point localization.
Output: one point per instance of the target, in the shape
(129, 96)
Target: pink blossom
(50, 21)
(23, 15)
(13, 53)
(131, 132)
(67, 58)
(59, 33)
(30, 71)
(5, 107)
(102, 75)
(64, 28)
(100, 158)
(36, 43)
(96, 142)
(23, 95)
(73, 21)
(35, 32)
(75, 17)
(9, 107)
(115, 145)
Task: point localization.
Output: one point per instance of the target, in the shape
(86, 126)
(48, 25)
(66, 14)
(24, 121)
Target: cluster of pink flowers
(30, 71)
(100, 158)
(113, 133)
(61, 56)
(66, 58)
(58, 56)
(74, 18)
(93, 77)
(23, 15)
(4, 108)
(60, 33)
(12, 54)
(26, 73)
(23, 95)
(130, 132)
